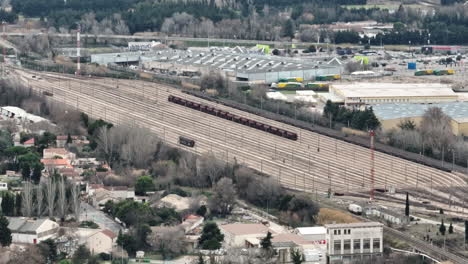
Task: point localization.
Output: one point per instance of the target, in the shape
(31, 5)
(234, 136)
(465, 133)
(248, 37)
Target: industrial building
(391, 115)
(354, 241)
(244, 65)
(389, 93)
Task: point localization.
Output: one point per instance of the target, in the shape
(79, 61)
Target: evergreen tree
(288, 29)
(466, 231)
(450, 229)
(69, 139)
(296, 256)
(37, 173)
(211, 237)
(266, 242)
(442, 228)
(407, 207)
(5, 232)
(200, 259)
(18, 202)
(8, 204)
(26, 171)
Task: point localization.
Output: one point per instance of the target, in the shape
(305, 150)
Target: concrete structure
(101, 242)
(388, 215)
(244, 235)
(18, 114)
(316, 234)
(29, 231)
(243, 66)
(391, 115)
(385, 93)
(3, 186)
(354, 241)
(284, 243)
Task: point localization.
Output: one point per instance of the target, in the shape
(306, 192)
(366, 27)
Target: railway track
(313, 163)
(424, 247)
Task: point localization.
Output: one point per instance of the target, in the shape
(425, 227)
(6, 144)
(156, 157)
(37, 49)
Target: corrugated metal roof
(456, 110)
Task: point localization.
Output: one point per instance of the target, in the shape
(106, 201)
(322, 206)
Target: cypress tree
(450, 228)
(407, 207)
(442, 228)
(5, 232)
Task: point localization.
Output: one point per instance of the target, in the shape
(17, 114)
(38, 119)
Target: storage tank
(411, 65)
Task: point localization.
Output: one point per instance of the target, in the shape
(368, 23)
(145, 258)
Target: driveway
(89, 213)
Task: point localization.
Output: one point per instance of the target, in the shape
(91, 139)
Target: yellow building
(392, 115)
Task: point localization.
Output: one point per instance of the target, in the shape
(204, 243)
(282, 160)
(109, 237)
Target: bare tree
(168, 240)
(39, 200)
(436, 129)
(50, 190)
(62, 198)
(209, 168)
(27, 199)
(108, 140)
(75, 200)
(224, 197)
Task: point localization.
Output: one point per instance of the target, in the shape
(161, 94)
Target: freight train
(232, 117)
(186, 141)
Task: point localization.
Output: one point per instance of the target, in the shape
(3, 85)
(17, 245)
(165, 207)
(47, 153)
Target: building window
(334, 232)
(366, 243)
(347, 244)
(357, 245)
(349, 231)
(376, 244)
(337, 246)
(339, 231)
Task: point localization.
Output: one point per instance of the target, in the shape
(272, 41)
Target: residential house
(51, 165)
(31, 231)
(28, 143)
(100, 194)
(69, 173)
(244, 235)
(355, 241)
(191, 222)
(86, 162)
(50, 153)
(61, 141)
(102, 241)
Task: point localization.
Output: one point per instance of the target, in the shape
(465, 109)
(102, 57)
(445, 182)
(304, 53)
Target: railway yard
(313, 163)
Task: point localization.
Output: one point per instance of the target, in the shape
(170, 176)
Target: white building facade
(347, 242)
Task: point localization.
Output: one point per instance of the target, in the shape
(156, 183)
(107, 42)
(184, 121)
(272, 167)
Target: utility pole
(372, 134)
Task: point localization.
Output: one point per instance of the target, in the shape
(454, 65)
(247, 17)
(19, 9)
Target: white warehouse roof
(368, 90)
(316, 230)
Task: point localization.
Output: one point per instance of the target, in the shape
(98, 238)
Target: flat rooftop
(458, 111)
(355, 225)
(378, 90)
(235, 61)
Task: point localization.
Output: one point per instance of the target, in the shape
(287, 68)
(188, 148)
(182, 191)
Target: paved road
(90, 213)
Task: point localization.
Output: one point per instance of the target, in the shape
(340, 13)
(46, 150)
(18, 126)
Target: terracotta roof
(60, 151)
(56, 162)
(109, 233)
(29, 142)
(192, 216)
(246, 229)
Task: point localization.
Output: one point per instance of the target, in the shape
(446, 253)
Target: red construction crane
(372, 135)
